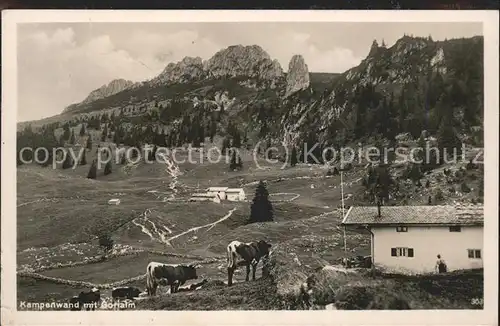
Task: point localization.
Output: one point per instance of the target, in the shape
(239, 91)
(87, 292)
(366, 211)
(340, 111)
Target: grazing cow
(245, 254)
(89, 300)
(168, 274)
(125, 292)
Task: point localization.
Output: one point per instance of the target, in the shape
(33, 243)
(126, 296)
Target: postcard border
(9, 314)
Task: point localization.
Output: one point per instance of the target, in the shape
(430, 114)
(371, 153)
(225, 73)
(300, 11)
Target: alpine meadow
(234, 182)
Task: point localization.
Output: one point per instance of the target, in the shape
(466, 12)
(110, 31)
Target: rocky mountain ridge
(416, 84)
(250, 65)
(113, 87)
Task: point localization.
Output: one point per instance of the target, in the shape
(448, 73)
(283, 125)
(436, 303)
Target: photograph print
(250, 166)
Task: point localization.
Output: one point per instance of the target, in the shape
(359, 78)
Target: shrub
(439, 195)
(106, 242)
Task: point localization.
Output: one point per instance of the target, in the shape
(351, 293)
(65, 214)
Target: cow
(245, 254)
(88, 300)
(125, 292)
(168, 274)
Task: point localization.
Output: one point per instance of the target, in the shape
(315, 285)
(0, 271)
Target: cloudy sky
(59, 64)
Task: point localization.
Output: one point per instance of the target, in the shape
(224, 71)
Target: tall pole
(342, 195)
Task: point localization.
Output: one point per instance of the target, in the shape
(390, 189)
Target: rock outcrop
(244, 61)
(298, 75)
(186, 70)
(115, 86)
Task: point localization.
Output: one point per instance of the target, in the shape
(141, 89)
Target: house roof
(234, 190)
(202, 195)
(396, 215)
(217, 189)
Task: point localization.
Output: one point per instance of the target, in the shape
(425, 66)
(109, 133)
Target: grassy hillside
(416, 92)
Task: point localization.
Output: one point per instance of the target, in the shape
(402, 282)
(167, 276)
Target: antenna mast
(342, 196)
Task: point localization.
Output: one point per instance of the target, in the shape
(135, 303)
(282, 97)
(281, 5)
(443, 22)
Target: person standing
(440, 265)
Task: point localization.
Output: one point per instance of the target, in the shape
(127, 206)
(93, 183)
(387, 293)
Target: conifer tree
(107, 168)
(236, 139)
(293, 160)
(72, 139)
(261, 209)
(93, 170)
(67, 132)
(235, 162)
(68, 161)
(89, 142)
(83, 160)
(82, 130)
(225, 145)
(104, 133)
(62, 142)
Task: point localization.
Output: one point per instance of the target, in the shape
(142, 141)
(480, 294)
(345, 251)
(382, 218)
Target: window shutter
(410, 252)
(393, 252)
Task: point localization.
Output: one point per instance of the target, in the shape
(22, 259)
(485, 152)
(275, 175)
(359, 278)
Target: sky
(60, 64)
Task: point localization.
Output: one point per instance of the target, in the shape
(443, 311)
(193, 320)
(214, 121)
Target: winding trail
(155, 234)
(209, 225)
(295, 196)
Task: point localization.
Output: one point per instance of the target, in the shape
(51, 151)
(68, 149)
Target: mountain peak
(297, 77)
(113, 87)
(249, 61)
(189, 68)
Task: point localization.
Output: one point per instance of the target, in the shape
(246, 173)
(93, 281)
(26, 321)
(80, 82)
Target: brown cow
(168, 274)
(245, 254)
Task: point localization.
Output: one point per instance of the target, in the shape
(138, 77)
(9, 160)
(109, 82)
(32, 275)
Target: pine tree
(82, 130)
(89, 143)
(62, 142)
(83, 160)
(448, 141)
(236, 139)
(233, 164)
(225, 145)
(107, 168)
(68, 161)
(104, 133)
(261, 209)
(293, 160)
(72, 139)
(67, 132)
(93, 170)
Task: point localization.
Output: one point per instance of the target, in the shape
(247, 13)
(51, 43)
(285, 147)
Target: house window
(402, 252)
(401, 229)
(474, 253)
(455, 229)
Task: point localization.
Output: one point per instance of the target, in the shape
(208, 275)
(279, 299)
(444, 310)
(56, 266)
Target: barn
(235, 194)
(219, 192)
(204, 197)
(407, 239)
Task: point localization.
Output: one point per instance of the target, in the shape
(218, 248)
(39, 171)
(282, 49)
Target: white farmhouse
(235, 194)
(226, 193)
(407, 239)
(219, 192)
(204, 197)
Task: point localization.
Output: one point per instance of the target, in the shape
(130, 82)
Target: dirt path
(209, 225)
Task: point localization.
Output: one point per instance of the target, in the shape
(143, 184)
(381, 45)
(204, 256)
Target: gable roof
(397, 215)
(202, 195)
(217, 189)
(234, 190)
